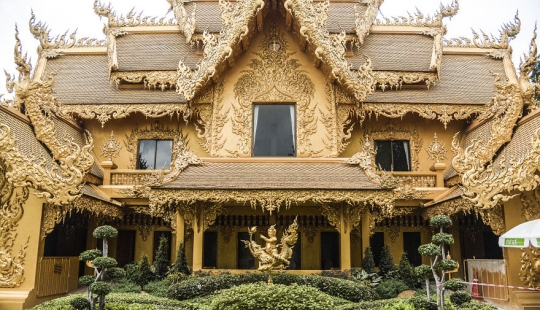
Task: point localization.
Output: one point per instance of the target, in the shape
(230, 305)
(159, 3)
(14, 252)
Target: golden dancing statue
(269, 257)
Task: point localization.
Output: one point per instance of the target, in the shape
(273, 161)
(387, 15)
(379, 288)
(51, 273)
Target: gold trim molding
(131, 19)
(151, 79)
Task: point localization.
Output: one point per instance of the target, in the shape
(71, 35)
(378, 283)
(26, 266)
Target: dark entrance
(125, 250)
(330, 258)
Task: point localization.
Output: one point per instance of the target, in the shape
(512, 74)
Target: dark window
(154, 154)
(393, 155)
(411, 242)
(244, 258)
(492, 250)
(274, 130)
(376, 242)
(330, 258)
(296, 259)
(125, 251)
(210, 249)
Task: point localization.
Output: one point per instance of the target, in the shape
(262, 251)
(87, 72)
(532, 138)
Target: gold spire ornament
(111, 148)
(269, 257)
(436, 150)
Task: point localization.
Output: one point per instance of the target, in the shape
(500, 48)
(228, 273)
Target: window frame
(392, 164)
(293, 124)
(137, 167)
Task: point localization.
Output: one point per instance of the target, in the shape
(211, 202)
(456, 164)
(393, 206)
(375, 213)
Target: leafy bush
(100, 288)
(80, 303)
(263, 296)
(89, 255)
(161, 261)
(86, 280)
(400, 305)
(158, 288)
(440, 221)
(144, 274)
(180, 265)
(104, 262)
(116, 273)
(477, 305)
(204, 286)
(386, 264)
(460, 297)
(442, 238)
(105, 232)
(118, 300)
(125, 287)
(370, 305)
(368, 264)
(447, 264)
(405, 272)
(429, 249)
(455, 284)
(390, 288)
(175, 277)
(421, 302)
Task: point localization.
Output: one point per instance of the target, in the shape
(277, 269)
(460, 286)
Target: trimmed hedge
(371, 305)
(204, 286)
(117, 301)
(262, 296)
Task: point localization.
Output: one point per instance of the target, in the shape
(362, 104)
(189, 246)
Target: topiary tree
(368, 264)
(424, 272)
(386, 264)
(101, 264)
(180, 265)
(161, 261)
(405, 271)
(436, 251)
(144, 274)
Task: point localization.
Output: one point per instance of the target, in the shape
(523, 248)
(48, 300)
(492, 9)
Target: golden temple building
(257, 112)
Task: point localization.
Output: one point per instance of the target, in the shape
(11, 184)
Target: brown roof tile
(84, 79)
(154, 51)
(272, 176)
(520, 144)
(452, 193)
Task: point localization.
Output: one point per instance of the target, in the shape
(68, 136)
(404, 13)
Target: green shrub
(134, 301)
(116, 273)
(447, 264)
(429, 249)
(158, 288)
(370, 305)
(104, 262)
(161, 261)
(86, 280)
(477, 305)
(262, 296)
(400, 305)
(125, 286)
(442, 238)
(368, 264)
(390, 288)
(439, 221)
(105, 232)
(405, 272)
(144, 274)
(386, 264)
(175, 277)
(460, 297)
(180, 265)
(89, 255)
(421, 302)
(204, 286)
(455, 285)
(100, 288)
(80, 303)
(132, 272)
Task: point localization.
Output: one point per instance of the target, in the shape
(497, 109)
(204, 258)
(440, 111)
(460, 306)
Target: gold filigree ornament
(235, 25)
(486, 186)
(111, 148)
(132, 19)
(436, 150)
(274, 77)
(421, 20)
(530, 267)
(312, 18)
(363, 22)
(11, 211)
(185, 21)
(151, 79)
(529, 210)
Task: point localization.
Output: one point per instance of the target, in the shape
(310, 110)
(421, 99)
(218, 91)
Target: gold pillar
(345, 242)
(180, 226)
(198, 231)
(366, 217)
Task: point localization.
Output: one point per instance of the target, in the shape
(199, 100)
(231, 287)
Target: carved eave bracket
(364, 21)
(530, 89)
(185, 21)
(132, 18)
(151, 79)
(183, 158)
(237, 19)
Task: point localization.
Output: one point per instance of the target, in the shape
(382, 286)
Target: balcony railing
(416, 179)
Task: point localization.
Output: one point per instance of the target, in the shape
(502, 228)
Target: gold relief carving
(151, 79)
(274, 78)
(183, 157)
(41, 33)
(390, 132)
(52, 215)
(441, 112)
(131, 19)
(219, 119)
(356, 235)
(145, 229)
(310, 232)
(11, 211)
(436, 150)
(395, 79)
(236, 18)
(530, 267)
(270, 200)
(227, 232)
(393, 232)
(529, 210)
(494, 217)
(407, 191)
(364, 22)
(203, 125)
(333, 214)
(330, 50)
(104, 113)
(421, 20)
(486, 186)
(345, 117)
(59, 184)
(185, 21)
(155, 131)
(111, 148)
(365, 158)
(530, 90)
(449, 207)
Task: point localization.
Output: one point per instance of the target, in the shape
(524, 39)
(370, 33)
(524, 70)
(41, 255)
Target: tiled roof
(480, 133)
(452, 193)
(519, 146)
(341, 16)
(465, 79)
(273, 176)
(26, 140)
(91, 191)
(207, 15)
(394, 52)
(84, 79)
(154, 51)
(450, 173)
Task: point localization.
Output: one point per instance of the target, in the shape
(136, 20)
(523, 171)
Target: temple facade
(258, 112)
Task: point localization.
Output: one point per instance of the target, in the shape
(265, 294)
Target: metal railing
(53, 276)
(487, 271)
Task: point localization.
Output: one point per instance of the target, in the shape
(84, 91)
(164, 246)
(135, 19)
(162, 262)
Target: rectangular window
(154, 154)
(244, 258)
(376, 242)
(274, 130)
(210, 249)
(330, 254)
(411, 242)
(393, 155)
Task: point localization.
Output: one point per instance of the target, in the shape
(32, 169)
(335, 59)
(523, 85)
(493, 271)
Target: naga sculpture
(270, 258)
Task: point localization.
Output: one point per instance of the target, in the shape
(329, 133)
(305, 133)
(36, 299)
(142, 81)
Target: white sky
(62, 15)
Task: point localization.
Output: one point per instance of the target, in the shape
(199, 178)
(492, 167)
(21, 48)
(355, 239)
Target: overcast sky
(63, 15)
